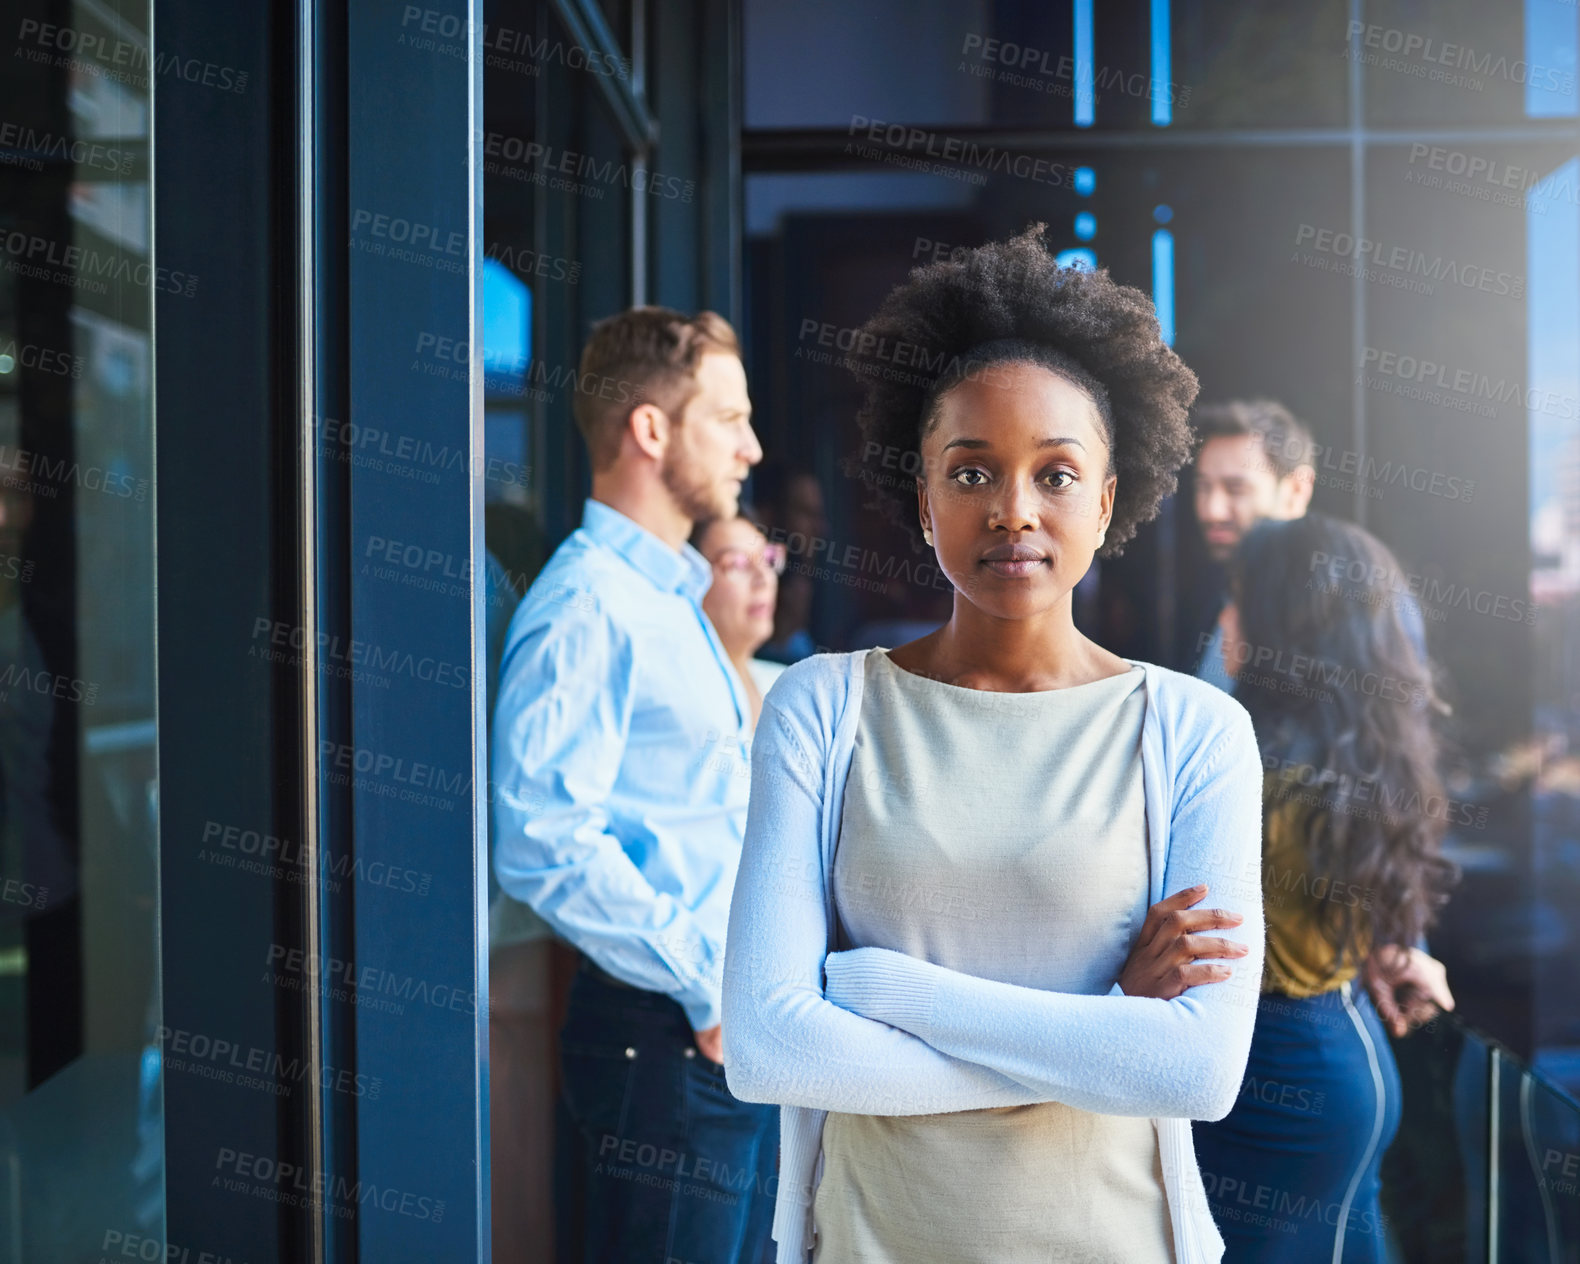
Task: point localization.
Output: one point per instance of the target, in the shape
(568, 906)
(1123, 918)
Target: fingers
(1383, 999)
(1197, 946)
(1182, 899)
(1194, 975)
(1205, 919)
(1159, 913)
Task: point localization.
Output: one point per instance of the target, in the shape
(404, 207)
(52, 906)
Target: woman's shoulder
(1196, 711)
(816, 687)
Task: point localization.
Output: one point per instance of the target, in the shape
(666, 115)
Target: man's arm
(560, 733)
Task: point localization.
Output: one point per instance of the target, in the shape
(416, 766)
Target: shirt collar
(684, 571)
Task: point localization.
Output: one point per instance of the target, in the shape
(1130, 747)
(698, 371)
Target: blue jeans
(1291, 1172)
(656, 1161)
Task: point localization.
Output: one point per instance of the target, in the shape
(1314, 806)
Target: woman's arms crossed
(783, 1041)
(1115, 1054)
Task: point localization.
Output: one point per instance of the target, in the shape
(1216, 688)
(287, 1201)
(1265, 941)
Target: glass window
(80, 1013)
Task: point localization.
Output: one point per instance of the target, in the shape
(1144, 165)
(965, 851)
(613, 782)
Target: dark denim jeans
(656, 1161)
(1292, 1172)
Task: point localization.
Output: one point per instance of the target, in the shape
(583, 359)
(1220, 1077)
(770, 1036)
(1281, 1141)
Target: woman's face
(1233, 650)
(745, 583)
(1015, 488)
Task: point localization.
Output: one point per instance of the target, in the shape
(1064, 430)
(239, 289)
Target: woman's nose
(1015, 508)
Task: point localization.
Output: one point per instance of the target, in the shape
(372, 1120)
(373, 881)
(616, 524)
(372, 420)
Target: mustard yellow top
(1300, 961)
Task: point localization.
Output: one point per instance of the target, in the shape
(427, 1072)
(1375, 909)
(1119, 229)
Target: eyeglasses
(739, 561)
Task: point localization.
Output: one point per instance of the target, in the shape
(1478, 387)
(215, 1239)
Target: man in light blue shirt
(621, 769)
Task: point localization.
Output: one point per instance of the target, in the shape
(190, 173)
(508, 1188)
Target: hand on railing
(1407, 986)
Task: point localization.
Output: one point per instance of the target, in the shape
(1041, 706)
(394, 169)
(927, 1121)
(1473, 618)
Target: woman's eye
(970, 477)
(1061, 474)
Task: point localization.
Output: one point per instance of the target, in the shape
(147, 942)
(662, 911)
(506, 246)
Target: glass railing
(1486, 1165)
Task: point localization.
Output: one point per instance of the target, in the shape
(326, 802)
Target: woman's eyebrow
(1059, 442)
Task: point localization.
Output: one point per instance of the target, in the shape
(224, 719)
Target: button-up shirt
(621, 760)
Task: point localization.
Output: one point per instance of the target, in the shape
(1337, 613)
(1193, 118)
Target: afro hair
(1011, 301)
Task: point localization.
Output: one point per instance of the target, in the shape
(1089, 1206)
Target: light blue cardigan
(897, 1036)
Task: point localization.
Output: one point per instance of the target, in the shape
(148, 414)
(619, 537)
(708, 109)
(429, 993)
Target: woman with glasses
(746, 570)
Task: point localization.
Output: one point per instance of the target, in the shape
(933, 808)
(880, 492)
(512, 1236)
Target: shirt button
(690, 1052)
(630, 1052)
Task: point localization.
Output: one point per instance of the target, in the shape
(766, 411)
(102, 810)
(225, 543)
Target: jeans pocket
(597, 1084)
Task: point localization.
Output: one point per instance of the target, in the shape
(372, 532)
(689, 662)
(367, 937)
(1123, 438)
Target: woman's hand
(1407, 986)
(1169, 956)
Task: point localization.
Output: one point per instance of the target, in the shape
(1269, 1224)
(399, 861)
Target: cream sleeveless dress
(1002, 835)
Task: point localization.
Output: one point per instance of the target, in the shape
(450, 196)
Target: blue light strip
(1550, 54)
(1085, 68)
(1163, 282)
(1162, 65)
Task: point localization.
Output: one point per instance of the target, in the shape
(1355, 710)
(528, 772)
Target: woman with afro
(950, 956)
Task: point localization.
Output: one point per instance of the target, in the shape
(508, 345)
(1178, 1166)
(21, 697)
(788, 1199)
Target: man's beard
(693, 495)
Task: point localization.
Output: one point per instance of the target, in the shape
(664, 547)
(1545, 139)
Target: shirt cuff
(887, 986)
(704, 1012)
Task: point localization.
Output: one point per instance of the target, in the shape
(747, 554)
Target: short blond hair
(642, 355)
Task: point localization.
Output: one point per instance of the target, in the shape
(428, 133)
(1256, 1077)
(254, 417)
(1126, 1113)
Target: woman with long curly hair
(950, 957)
(1342, 703)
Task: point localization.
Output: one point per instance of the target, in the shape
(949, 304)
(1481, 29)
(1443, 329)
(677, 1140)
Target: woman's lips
(1014, 568)
(1013, 561)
